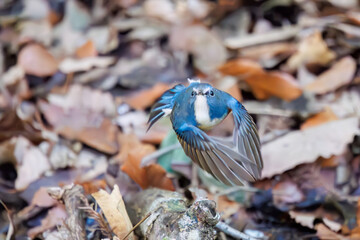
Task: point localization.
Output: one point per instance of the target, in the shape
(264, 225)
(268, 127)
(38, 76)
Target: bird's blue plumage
(199, 107)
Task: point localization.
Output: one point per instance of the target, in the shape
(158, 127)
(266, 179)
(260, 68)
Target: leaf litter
(78, 79)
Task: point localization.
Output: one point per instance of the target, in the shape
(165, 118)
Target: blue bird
(199, 107)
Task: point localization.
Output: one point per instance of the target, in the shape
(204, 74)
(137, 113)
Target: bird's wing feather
(221, 161)
(246, 138)
(164, 105)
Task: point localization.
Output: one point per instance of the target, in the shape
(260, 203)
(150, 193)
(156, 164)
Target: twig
(141, 221)
(149, 158)
(233, 232)
(11, 225)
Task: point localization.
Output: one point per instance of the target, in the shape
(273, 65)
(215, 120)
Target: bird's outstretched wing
(245, 136)
(164, 105)
(215, 156)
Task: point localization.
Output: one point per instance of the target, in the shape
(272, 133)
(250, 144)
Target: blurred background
(78, 78)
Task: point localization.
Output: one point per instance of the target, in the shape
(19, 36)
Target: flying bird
(199, 107)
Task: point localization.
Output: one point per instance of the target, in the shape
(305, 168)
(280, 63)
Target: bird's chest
(203, 115)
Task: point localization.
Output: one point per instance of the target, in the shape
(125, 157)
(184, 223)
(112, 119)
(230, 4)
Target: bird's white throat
(202, 115)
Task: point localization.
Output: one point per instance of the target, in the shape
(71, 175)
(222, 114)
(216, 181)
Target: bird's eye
(193, 93)
(212, 93)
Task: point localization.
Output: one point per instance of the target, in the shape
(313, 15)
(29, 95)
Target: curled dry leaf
(340, 74)
(150, 176)
(115, 212)
(36, 60)
(312, 49)
(145, 98)
(275, 83)
(306, 146)
(325, 116)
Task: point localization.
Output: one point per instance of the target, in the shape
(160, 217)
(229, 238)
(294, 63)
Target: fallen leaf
(115, 212)
(354, 17)
(323, 117)
(86, 50)
(304, 219)
(340, 74)
(93, 186)
(268, 51)
(69, 65)
(347, 4)
(306, 146)
(274, 83)
(275, 35)
(241, 66)
(31, 163)
(36, 60)
(91, 128)
(145, 98)
(150, 176)
(54, 217)
(325, 233)
(80, 97)
(13, 75)
(287, 192)
(209, 52)
(312, 49)
(161, 9)
(42, 199)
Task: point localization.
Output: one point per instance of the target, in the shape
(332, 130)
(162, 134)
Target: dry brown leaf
(275, 83)
(36, 60)
(91, 128)
(323, 117)
(54, 217)
(86, 50)
(312, 49)
(306, 146)
(241, 66)
(115, 212)
(133, 151)
(146, 98)
(340, 74)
